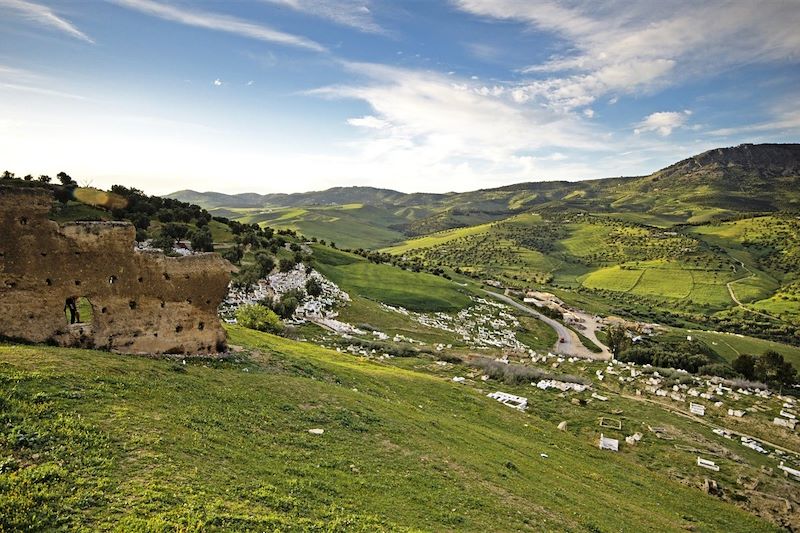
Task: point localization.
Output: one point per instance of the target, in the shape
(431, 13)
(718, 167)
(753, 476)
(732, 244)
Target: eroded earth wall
(142, 302)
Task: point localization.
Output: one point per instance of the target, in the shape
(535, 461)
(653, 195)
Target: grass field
(729, 346)
(389, 284)
(98, 441)
(437, 239)
(349, 226)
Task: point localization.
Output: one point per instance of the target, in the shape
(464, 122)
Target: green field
(729, 346)
(389, 284)
(98, 441)
(437, 239)
(349, 226)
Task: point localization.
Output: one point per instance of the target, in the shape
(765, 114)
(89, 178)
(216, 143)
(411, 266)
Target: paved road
(571, 346)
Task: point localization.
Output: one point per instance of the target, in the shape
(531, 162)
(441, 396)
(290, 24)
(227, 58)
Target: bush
(258, 317)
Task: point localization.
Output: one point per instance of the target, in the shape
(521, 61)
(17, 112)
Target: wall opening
(78, 310)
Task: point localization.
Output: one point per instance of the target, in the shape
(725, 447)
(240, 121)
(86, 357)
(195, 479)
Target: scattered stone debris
(562, 425)
(697, 409)
(792, 473)
(316, 431)
(705, 463)
(486, 324)
(633, 439)
(611, 423)
(511, 400)
(563, 386)
(711, 487)
(608, 444)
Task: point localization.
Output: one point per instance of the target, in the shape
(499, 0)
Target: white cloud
(220, 22)
(635, 46)
(368, 121)
(663, 122)
(217, 83)
(250, 83)
(428, 126)
(353, 13)
(45, 16)
(588, 113)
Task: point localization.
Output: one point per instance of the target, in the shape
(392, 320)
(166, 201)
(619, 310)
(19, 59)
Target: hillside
(745, 178)
(104, 441)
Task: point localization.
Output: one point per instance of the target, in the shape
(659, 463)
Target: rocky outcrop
(142, 302)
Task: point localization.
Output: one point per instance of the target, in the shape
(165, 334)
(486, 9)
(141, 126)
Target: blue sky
(422, 95)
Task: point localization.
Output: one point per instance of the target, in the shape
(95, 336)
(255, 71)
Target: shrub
(258, 317)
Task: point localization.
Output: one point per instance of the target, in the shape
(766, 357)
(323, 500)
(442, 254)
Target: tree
(286, 306)
(313, 287)
(265, 262)
(164, 242)
(745, 365)
(8, 175)
(246, 278)
(27, 177)
(618, 340)
(202, 241)
(176, 231)
(258, 317)
(64, 178)
(286, 265)
(44, 178)
(772, 369)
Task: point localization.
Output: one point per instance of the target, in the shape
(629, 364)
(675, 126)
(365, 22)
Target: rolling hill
(746, 178)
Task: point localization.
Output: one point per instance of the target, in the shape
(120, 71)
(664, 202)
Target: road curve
(571, 346)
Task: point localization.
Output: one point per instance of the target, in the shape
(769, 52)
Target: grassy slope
(388, 284)
(105, 441)
(349, 226)
(730, 346)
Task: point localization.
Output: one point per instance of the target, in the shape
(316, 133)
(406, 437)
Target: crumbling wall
(142, 302)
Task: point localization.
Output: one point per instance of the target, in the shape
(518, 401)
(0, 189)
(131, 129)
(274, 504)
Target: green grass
(98, 441)
(537, 334)
(729, 346)
(437, 239)
(389, 284)
(613, 279)
(349, 226)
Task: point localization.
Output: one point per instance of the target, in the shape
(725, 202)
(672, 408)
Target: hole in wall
(140, 279)
(23, 221)
(78, 310)
(104, 310)
(77, 282)
(49, 282)
(201, 326)
(112, 280)
(166, 276)
(163, 304)
(178, 328)
(132, 304)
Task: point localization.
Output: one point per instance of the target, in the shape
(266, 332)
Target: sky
(421, 95)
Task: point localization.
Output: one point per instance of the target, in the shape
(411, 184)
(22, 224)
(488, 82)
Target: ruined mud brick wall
(142, 302)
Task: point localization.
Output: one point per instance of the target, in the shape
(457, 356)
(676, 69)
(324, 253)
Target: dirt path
(729, 285)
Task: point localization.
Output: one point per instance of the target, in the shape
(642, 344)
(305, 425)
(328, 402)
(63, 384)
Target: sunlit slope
(101, 441)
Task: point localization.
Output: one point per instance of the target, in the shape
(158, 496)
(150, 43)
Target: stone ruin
(141, 302)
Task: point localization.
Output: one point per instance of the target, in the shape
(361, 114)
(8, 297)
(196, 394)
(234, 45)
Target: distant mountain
(335, 196)
(744, 178)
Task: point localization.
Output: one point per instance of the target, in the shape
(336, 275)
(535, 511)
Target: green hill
(97, 441)
(746, 178)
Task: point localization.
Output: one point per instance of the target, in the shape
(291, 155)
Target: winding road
(571, 346)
